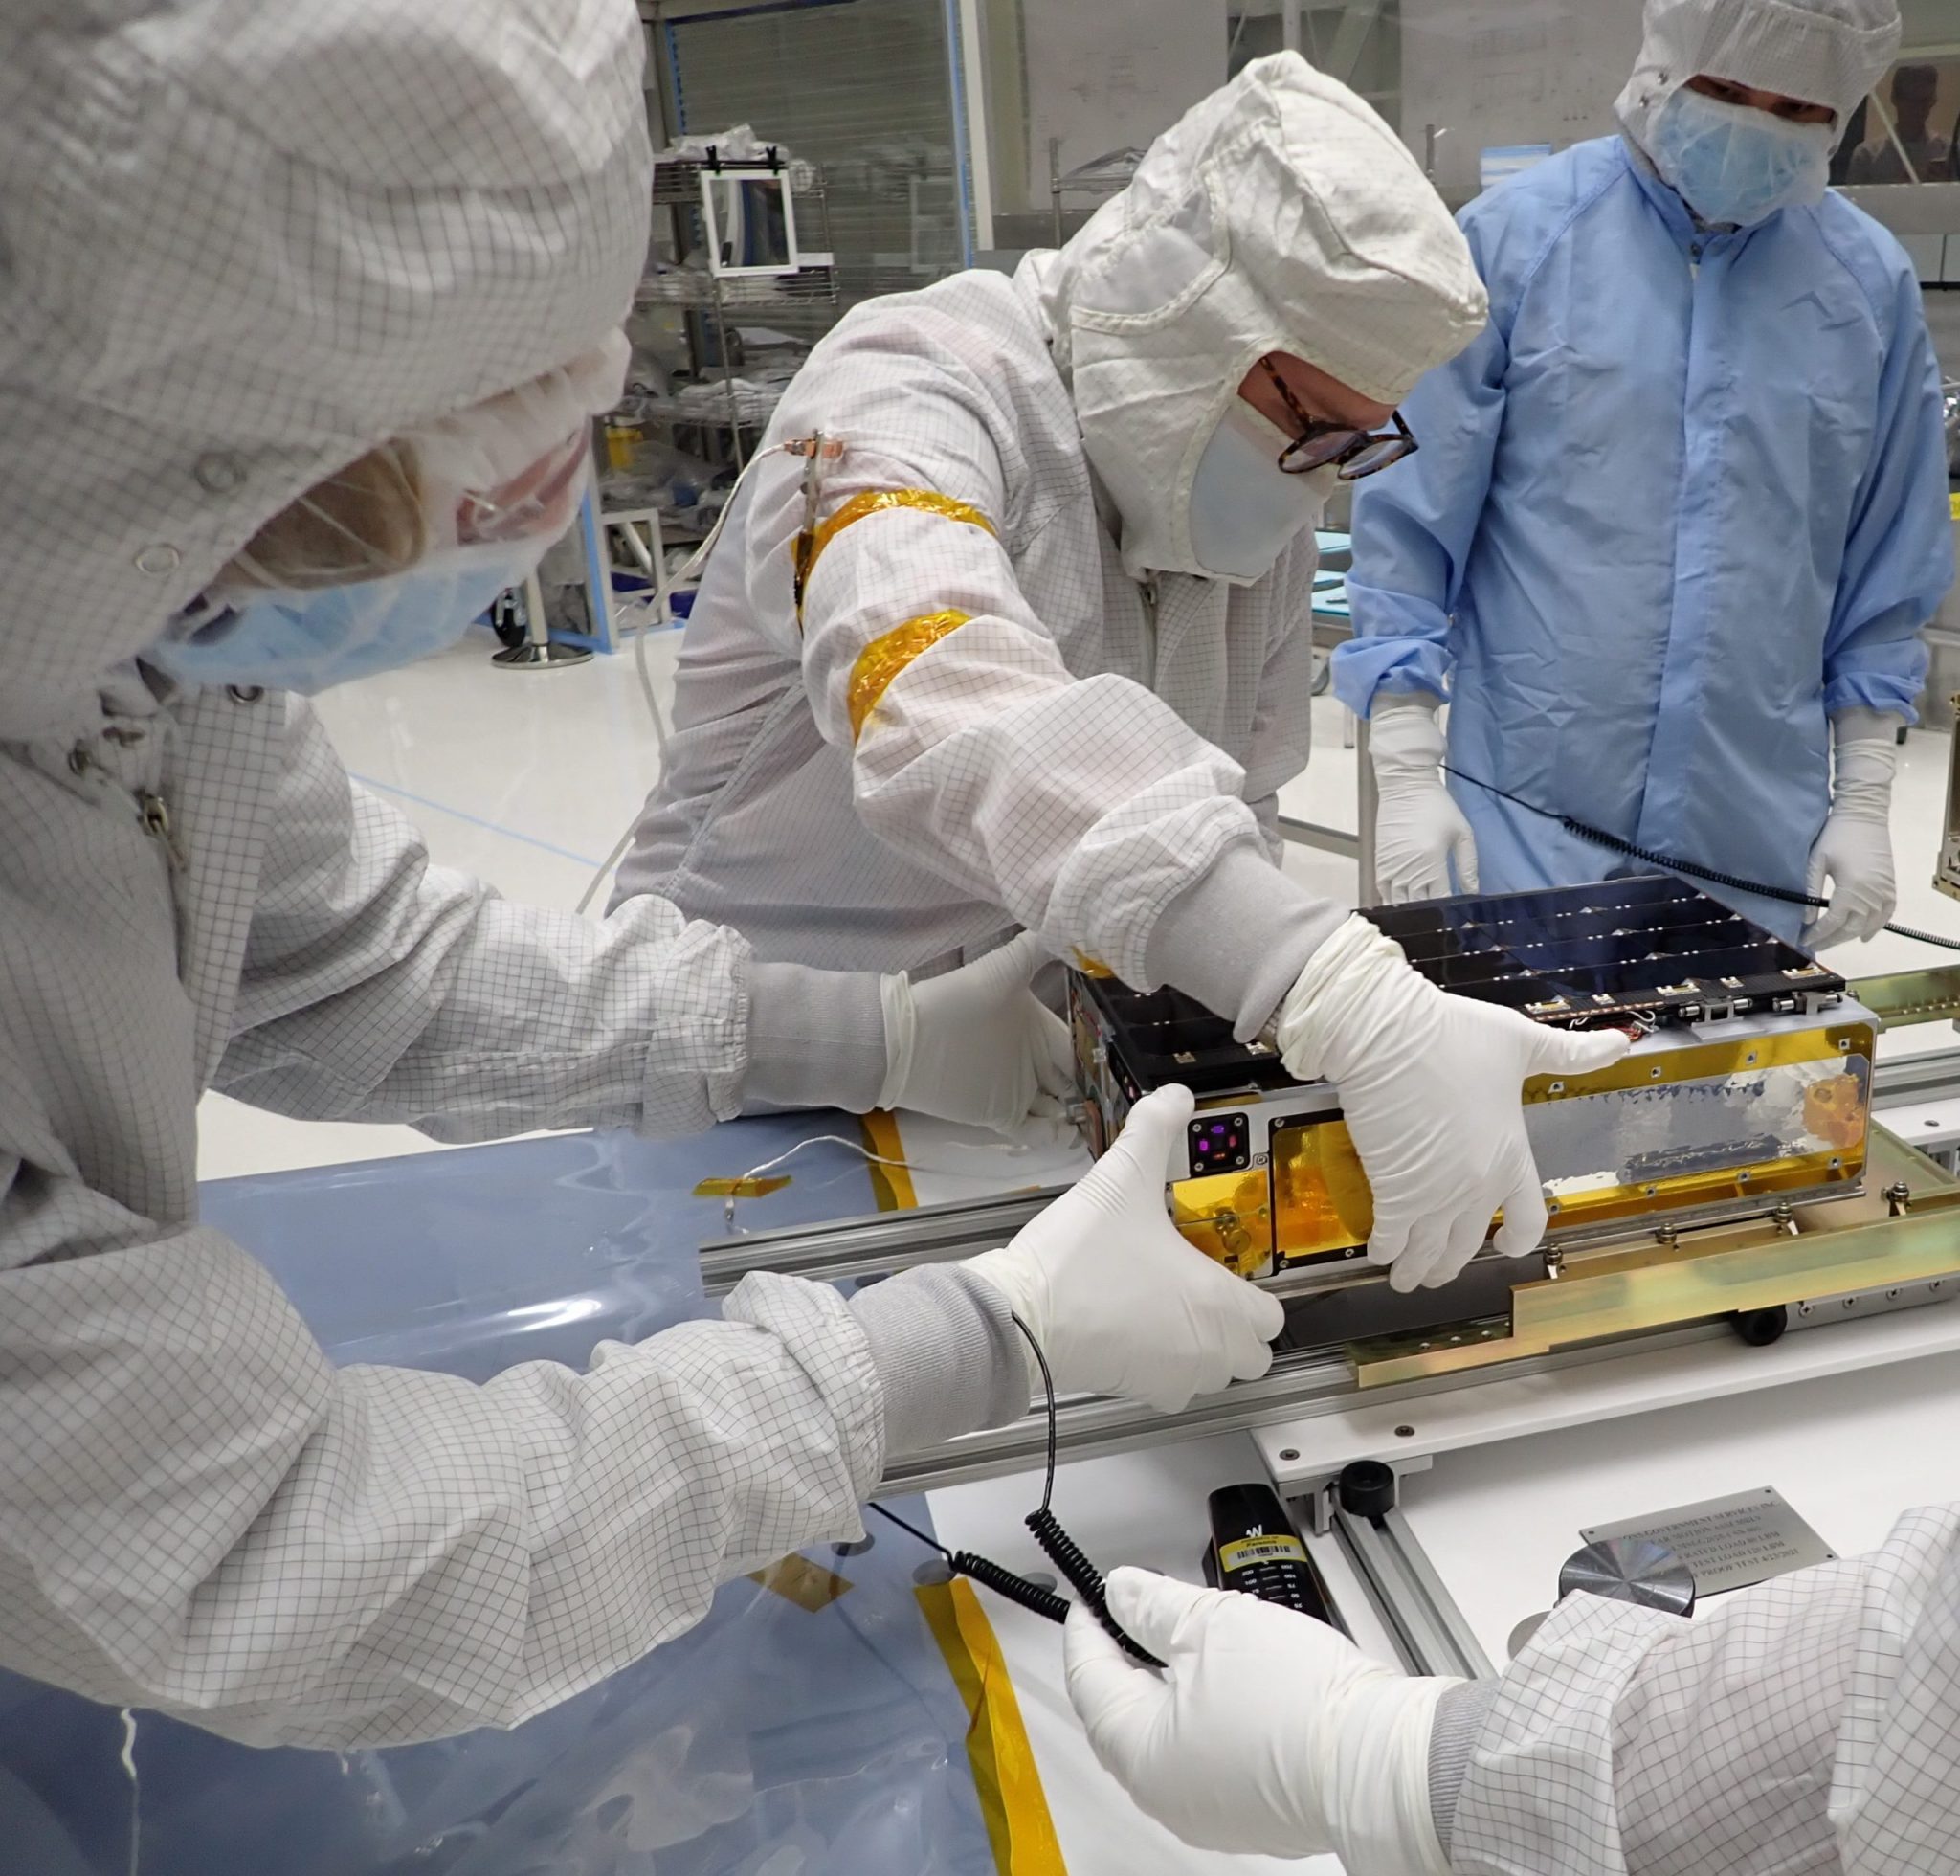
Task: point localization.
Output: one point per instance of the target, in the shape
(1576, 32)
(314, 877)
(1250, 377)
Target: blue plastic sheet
(773, 1740)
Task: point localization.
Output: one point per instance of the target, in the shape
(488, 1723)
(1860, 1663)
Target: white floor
(528, 779)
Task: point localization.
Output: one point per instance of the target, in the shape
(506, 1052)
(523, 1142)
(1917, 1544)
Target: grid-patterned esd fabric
(1071, 759)
(246, 243)
(1810, 1727)
(197, 1511)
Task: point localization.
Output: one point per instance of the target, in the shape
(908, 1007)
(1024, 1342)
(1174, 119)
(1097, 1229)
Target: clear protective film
(808, 1726)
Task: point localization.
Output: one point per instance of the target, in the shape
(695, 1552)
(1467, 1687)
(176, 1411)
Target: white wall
(1104, 78)
(1497, 71)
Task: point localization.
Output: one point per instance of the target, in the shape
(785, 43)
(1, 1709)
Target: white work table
(1850, 1452)
(1145, 1509)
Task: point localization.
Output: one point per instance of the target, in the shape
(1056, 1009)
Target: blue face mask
(1731, 163)
(310, 641)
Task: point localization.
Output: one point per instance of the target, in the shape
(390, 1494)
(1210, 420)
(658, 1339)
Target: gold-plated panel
(1228, 1216)
(1757, 1266)
(1910, 996)
(1890, 1159)
(1802, 1173)
(1321, 1201)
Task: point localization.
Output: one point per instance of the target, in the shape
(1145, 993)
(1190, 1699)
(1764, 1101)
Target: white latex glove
(1119, 1301)
(1266, 1731)
(1855, 850)
(1430, 1086)
(977, 1044)
(1418, 829)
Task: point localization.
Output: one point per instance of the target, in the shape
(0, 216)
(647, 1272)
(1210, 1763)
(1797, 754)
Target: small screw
(1405, 1433)
(1289, 1452)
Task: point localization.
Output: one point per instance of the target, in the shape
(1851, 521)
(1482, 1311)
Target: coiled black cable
(1674, 864)
(997, 1576)
(1057, 1545)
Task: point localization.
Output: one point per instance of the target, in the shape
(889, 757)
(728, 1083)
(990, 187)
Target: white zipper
(1150, 592)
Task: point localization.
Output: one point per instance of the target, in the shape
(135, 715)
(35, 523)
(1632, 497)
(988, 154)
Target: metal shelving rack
(706, 293)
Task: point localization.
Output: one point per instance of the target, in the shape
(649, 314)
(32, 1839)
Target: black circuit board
(1647, 953)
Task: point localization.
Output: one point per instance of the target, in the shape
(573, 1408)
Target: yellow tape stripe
(891, 1185)
(879, 500)
(881, 660)
(1018, 1824)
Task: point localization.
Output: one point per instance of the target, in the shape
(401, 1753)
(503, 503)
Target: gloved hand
(1430, 1088)
(1119, 1301)
(1266, 1731)
(977, 1044)
(1855, 850)
(1418, 829)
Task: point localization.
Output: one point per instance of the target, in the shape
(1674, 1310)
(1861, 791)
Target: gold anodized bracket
(1669, 1279)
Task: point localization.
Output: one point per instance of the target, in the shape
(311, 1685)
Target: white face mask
(1244, 508)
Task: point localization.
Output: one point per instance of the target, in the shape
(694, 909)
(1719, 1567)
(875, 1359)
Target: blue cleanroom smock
(1682, 501)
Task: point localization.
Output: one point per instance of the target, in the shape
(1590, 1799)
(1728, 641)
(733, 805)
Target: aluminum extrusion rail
(872, 1247)
(1303, 1385)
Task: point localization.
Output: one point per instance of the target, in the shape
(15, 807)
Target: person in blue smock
(1679, 514)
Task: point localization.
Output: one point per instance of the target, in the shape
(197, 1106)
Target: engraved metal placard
(1729, 1543)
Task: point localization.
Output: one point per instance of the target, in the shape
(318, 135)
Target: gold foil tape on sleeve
(880, 661)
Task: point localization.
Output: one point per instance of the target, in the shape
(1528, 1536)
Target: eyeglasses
(1352, 453)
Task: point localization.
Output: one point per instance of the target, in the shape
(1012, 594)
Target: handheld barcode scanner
(1255, 1548)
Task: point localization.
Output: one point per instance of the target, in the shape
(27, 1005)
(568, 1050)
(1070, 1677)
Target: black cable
(997, 1576)
(1003, 1581)
(1060, 1549)
(1673, 864)
(912, 1531)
